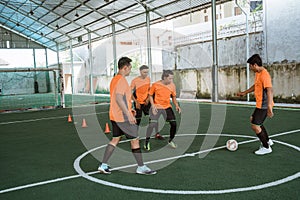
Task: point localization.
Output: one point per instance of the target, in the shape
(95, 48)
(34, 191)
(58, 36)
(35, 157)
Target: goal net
(30, 88)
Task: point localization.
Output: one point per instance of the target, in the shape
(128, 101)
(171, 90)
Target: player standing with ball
(263, 91)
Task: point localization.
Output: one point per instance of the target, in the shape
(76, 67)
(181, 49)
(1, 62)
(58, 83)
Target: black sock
(151, 127)
(137, 153)
(108, 152)
(172, 130)
(147, 140)
(263, 139)
(265, 132)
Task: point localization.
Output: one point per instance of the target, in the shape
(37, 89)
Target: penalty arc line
(150, 190)
(122, 167)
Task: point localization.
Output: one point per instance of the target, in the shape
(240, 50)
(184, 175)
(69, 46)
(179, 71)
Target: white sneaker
(270, 142)
(104, 169)
(145, 170)
(263, 151)
(172, 145)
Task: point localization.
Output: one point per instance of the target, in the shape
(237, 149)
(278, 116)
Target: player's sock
(108, 152)
(262, 137)
(137, 153)
(151, 127)
(138, 121)
(147, 140)
(264, 131)
(172, 130)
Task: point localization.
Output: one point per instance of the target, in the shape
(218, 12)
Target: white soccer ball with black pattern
(232, 145)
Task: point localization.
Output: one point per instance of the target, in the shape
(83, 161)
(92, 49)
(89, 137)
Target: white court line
(122, 167)
(48, 118)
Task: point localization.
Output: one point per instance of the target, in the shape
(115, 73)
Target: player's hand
(133, 112)
(240, 94)
(137, 105)
(131, 118)
(270, 112)
(178, 109)
(154, 110)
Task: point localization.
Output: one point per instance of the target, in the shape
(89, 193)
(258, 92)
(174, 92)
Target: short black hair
(124, 61)
(166, 73)
(255, 59)
(144, 67)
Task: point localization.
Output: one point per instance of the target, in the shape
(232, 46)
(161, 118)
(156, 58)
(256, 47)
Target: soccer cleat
(263, 151)
(104, 169)
(172, 145)
(145, 170)
(147, 146)
(159, 137)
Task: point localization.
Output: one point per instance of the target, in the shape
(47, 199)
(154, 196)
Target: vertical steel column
(265, 31)
(247, 48)
(46, 55)
(61, 79)
(114, 47)
(35, 83)
(57, 55)
(34, 60)
(91, 64)
(47, 73)
(72, 66)
(149, 42)
(215, 54)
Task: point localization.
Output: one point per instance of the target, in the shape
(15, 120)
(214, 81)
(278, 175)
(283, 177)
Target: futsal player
(140, 86)
(159, 95)
(263, 92)
(122, 119)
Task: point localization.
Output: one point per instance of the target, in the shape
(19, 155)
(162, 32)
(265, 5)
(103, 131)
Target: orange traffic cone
(84, 125)
(69, 118)
(107, 130)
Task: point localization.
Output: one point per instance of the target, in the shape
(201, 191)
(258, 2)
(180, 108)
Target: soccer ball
(232, 145)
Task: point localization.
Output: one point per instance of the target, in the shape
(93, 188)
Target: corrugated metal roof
(52, 22)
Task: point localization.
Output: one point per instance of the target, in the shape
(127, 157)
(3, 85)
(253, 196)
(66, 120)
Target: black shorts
(124, 128)
(144, 109)
(168, 115)
(259, 116)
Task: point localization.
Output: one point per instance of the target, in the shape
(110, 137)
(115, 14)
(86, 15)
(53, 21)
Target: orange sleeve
(267, 82)
(119, 85)
(133, 84)
(162, 95)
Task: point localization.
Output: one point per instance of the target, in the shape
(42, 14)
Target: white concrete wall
(285, 78)
(231, 51)
(282, 29)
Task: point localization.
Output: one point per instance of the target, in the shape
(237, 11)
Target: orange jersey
(262, 82)
(162, 94)
(119, 85)
(141, 87)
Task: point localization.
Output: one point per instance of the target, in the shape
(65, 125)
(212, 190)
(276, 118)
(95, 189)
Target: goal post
(31, 88)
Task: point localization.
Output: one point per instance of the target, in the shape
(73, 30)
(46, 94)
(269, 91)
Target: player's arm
(174, 100)
(153, 107)
(147, 100)
(122, 105)
(137, 104)
(270, 101)
(251, 89)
